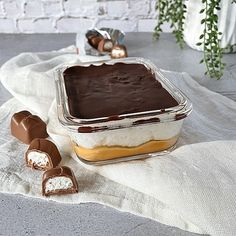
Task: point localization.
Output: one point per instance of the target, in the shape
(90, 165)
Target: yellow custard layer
(102, 153)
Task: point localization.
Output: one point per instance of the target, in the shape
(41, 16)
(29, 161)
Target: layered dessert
(122, 109)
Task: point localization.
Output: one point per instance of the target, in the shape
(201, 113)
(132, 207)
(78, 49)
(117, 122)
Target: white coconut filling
(128, 137)
(38, 158)
(58, 183)
(118, 52)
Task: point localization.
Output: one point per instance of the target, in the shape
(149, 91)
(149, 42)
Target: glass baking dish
(124, 137)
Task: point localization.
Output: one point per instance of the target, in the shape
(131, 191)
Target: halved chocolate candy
(42, 154)
(94, 40)
(59, 180)
(105, 45)
(27, 127)
(119, 51)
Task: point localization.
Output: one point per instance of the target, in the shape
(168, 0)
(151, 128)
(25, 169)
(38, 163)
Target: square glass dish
(119, 110)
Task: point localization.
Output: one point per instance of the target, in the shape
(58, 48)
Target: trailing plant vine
(173, 12)
(210, 39)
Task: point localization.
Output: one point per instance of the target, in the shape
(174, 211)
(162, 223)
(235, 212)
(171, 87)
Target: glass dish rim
(183, 108)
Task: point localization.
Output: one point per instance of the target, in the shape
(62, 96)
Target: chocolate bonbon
(59, 180)
(42, 154)
(26, 127)
(119, 51)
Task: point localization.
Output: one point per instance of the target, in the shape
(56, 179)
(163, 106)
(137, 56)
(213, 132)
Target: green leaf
(201, 36)
(202, 10)
(215, 18)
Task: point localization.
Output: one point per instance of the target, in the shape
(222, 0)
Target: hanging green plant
(173, 12)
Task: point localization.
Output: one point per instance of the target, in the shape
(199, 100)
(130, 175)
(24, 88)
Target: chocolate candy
(105, 45)
(42, 154)
(119, 51)
(59, 180)
(27, 127)
(94, 40)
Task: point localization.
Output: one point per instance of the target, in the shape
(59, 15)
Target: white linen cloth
(193, 187)
(29, 76)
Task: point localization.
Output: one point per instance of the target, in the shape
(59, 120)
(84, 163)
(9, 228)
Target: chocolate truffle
(105, 45)
(59, 180)
(27, 127)
(42, 154)
(119, 51)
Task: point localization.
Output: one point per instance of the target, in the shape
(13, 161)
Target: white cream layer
(128, 137)
(57, 183)
(38, 158)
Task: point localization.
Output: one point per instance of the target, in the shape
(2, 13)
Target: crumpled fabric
(193, 187)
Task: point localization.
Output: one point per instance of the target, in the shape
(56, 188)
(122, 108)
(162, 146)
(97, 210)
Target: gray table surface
(25, 216)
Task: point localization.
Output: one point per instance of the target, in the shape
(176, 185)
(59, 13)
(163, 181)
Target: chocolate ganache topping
(108, 90)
